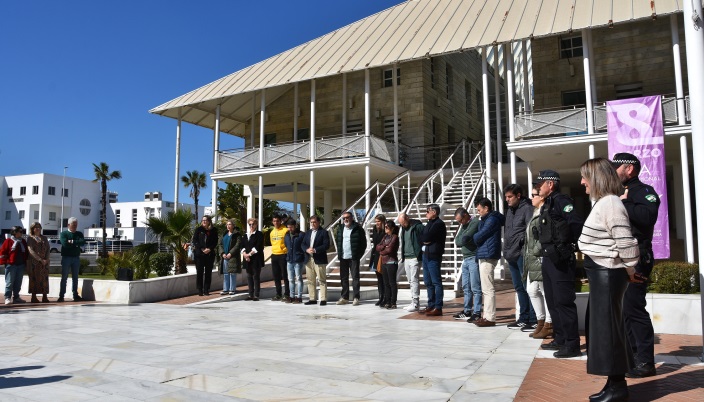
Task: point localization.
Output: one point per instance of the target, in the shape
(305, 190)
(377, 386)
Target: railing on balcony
(574, 121)
(328, 148)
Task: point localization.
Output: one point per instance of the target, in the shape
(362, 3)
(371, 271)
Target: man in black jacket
(642, 203)
(518, 216)
(315, 244)
(433, 241)
(351, 244)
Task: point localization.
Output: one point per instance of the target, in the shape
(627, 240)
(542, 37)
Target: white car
(54, 245)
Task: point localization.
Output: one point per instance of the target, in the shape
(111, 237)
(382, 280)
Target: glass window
(134, 218)
(571, 47)
(85, 207)
(9, 191)
(468, 97)
(303, 134)
(36, 215)
(448, 81)
(8, 215)
(432, 73)
(35, 190)
(23, 190)
(52, 190)
(21, 214)
(65, 192)
(388, 77)
(52, 216)
(270, 139)
(117, 217)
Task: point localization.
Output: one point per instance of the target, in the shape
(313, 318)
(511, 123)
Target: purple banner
(635, 126)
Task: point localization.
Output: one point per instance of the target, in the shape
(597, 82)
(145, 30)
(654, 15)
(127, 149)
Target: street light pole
(63, 186)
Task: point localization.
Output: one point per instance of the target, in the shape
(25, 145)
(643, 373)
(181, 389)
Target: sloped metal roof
(411, 30)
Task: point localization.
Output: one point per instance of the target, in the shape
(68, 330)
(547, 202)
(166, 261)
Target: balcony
(566, 122)
(326, 149)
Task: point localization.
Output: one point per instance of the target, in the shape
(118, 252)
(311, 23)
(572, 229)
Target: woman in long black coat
(253, 257)
(205, 244)
(377, 235)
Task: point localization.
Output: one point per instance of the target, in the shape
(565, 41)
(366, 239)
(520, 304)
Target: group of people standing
(31, 253)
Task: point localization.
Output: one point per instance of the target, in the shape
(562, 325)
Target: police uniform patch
(568, 208)
(651, 198)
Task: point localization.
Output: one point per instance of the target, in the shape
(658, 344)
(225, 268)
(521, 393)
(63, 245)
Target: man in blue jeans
(432, 240)
(71, 243)
(471, 283)
(518, 216)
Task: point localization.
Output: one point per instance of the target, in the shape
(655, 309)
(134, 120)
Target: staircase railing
(378, 206)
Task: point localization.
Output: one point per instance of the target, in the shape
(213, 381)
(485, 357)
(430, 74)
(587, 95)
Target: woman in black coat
(377, 235)
(253, 257)
(204, 243)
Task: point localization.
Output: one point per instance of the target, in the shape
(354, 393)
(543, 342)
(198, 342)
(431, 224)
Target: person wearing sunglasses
(204, 243)
(253, 257)
(432, 240)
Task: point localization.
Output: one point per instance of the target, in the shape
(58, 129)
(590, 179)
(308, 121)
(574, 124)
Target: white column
(686, 196)
(395, 86)
(247, 191)
(526, 87)
(177, 179)
(487, 133)
(216, 154)
(679, 89)
(262, 117)
(295, 200)
(295, 112)
(591, 151)
(344, 193)
(311, 191)
(261, 202)
(529, 174)
(367, 134)
(254, 113)
(695, 65)
(510, 92)
(592, 69)
(497, 116)
(327, 205)
(312, 125)
(587, 81)
(345, 104)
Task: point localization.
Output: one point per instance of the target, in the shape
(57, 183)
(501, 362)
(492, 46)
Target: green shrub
(121, 260)
(84, 263)
(103, 264)
(140, 258)
(675, 277)
(266, 231)
(162, 263)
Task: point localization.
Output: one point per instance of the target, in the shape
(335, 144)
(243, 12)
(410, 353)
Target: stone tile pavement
(274, 351)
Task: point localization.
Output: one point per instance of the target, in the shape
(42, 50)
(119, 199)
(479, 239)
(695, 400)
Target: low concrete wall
(141, 291)
(671, 314)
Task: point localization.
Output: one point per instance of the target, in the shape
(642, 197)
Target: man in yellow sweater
(278, 259)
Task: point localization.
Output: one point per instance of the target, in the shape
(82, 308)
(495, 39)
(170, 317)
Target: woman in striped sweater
(610, 255)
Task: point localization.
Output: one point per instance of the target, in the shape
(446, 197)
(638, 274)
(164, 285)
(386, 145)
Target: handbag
(378, 264)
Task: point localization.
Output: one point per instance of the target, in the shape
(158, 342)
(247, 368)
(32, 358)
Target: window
(389, 128)
(388, 79)
(432, 73)
(303, 134)
(355, 126)
(467, 97)
(448, 81)
(627, 91)
(35, 190)
(9, 191)
(21, 214)
(134, 218)
(269, 139)
(571, 47)
(8, 215)
(480, 105)
(65, 223)
(117, 217)
(52, 190)
(36, 215)
(23, 190)
(65, 192)
(574, 98)
(85, 207)
(52, 216)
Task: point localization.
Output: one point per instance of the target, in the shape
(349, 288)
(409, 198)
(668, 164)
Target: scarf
(16, 242)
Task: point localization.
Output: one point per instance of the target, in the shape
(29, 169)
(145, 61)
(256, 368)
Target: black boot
(600, 393)
(616, 391)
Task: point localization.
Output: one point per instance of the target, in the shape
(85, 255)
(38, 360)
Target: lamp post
(63, 186)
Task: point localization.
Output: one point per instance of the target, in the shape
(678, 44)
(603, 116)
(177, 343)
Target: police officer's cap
(624, 158)
(547, 174)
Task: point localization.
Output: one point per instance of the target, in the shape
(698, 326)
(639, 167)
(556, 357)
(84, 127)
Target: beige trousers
(486, 275)
(313, 272)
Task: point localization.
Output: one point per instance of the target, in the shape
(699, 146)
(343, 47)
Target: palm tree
(174, 230)
(104, 175)
(195, 180)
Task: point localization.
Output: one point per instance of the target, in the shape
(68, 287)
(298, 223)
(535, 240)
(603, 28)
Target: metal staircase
(458, 181)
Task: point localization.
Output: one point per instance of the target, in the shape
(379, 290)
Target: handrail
(432, 176)
(386, 188)
(351, 206)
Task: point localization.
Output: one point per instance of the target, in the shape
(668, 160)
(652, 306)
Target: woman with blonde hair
(610, 256)
(38, 263)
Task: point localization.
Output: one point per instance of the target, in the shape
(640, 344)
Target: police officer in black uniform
(559, 229)
(642, 203)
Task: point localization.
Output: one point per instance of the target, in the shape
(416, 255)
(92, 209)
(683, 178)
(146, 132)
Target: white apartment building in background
(38, 197)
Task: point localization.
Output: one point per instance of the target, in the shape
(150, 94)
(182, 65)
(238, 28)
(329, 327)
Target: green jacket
(71, 243)
(532, 262)
(234, 264)
(416, 228)
(466, 232)
(358, 241)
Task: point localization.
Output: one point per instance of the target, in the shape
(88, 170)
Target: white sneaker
(342, 301)
(355, 302)
(8, 301)
(411, 307)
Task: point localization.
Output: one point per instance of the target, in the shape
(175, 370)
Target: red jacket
(388, 249)
(8, 256)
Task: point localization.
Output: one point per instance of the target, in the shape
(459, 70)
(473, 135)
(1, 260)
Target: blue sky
(77, 78)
